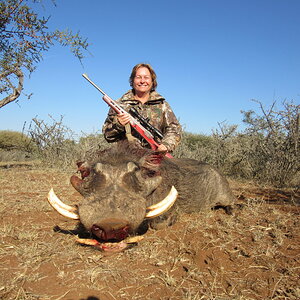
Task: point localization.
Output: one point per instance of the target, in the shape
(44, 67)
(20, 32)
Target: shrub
(267, 150)
(194, 146)
(13, 140)
(55, 142)
(275, 142)
(16, 146)
(57, 145)
(91, 143)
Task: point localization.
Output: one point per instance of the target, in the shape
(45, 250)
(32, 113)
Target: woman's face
(142, 82)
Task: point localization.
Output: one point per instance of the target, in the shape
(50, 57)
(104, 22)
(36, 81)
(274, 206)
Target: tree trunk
(16, 91)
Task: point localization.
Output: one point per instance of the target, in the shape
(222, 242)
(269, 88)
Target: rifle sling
(129, 136)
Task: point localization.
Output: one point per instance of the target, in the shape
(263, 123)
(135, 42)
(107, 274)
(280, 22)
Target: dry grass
(252, 254)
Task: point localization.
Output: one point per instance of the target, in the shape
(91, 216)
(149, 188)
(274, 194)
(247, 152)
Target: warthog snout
(111, 229)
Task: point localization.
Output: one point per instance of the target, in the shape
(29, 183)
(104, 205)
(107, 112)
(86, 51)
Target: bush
(267, 150)
(194, 146)
(275, 142)
(16, 146)
(13, 140)
(57, 145)
(55, 142)
(90, 144)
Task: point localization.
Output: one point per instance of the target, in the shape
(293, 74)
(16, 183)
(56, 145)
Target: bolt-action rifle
(137, 122)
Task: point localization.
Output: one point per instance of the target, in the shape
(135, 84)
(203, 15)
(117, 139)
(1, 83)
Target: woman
(144, 98)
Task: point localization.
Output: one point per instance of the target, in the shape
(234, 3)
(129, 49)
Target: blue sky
(211, 58)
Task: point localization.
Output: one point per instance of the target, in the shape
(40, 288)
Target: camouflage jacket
(156, 109)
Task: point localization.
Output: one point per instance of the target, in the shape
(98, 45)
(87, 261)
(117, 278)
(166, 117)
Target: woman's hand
(162, 148)
(123, 118)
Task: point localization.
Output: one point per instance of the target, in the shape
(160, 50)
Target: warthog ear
(84, 169)
(76, 183)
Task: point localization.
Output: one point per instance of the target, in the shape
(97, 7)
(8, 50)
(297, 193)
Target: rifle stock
(146, 134)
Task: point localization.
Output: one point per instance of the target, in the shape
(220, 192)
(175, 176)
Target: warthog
(124, 185)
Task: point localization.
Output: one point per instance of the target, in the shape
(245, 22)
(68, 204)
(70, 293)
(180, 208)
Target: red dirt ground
(252, 254)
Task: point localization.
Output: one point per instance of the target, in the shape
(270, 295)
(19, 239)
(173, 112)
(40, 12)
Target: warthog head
(115, 187)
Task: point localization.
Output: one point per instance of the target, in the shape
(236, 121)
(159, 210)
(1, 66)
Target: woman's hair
(153, 75)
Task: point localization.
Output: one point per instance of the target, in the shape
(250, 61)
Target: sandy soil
(252, 254)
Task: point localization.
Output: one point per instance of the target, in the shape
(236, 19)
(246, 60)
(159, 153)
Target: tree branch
(16, 91)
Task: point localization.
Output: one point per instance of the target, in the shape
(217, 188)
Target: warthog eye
(146, 173)
(142, 181)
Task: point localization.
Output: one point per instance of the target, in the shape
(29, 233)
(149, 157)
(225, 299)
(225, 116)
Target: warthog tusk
(60, 207)
(161, 207)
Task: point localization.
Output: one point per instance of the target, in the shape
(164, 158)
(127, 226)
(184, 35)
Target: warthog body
(119, 184)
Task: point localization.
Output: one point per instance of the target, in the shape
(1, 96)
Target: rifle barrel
(91, 82)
